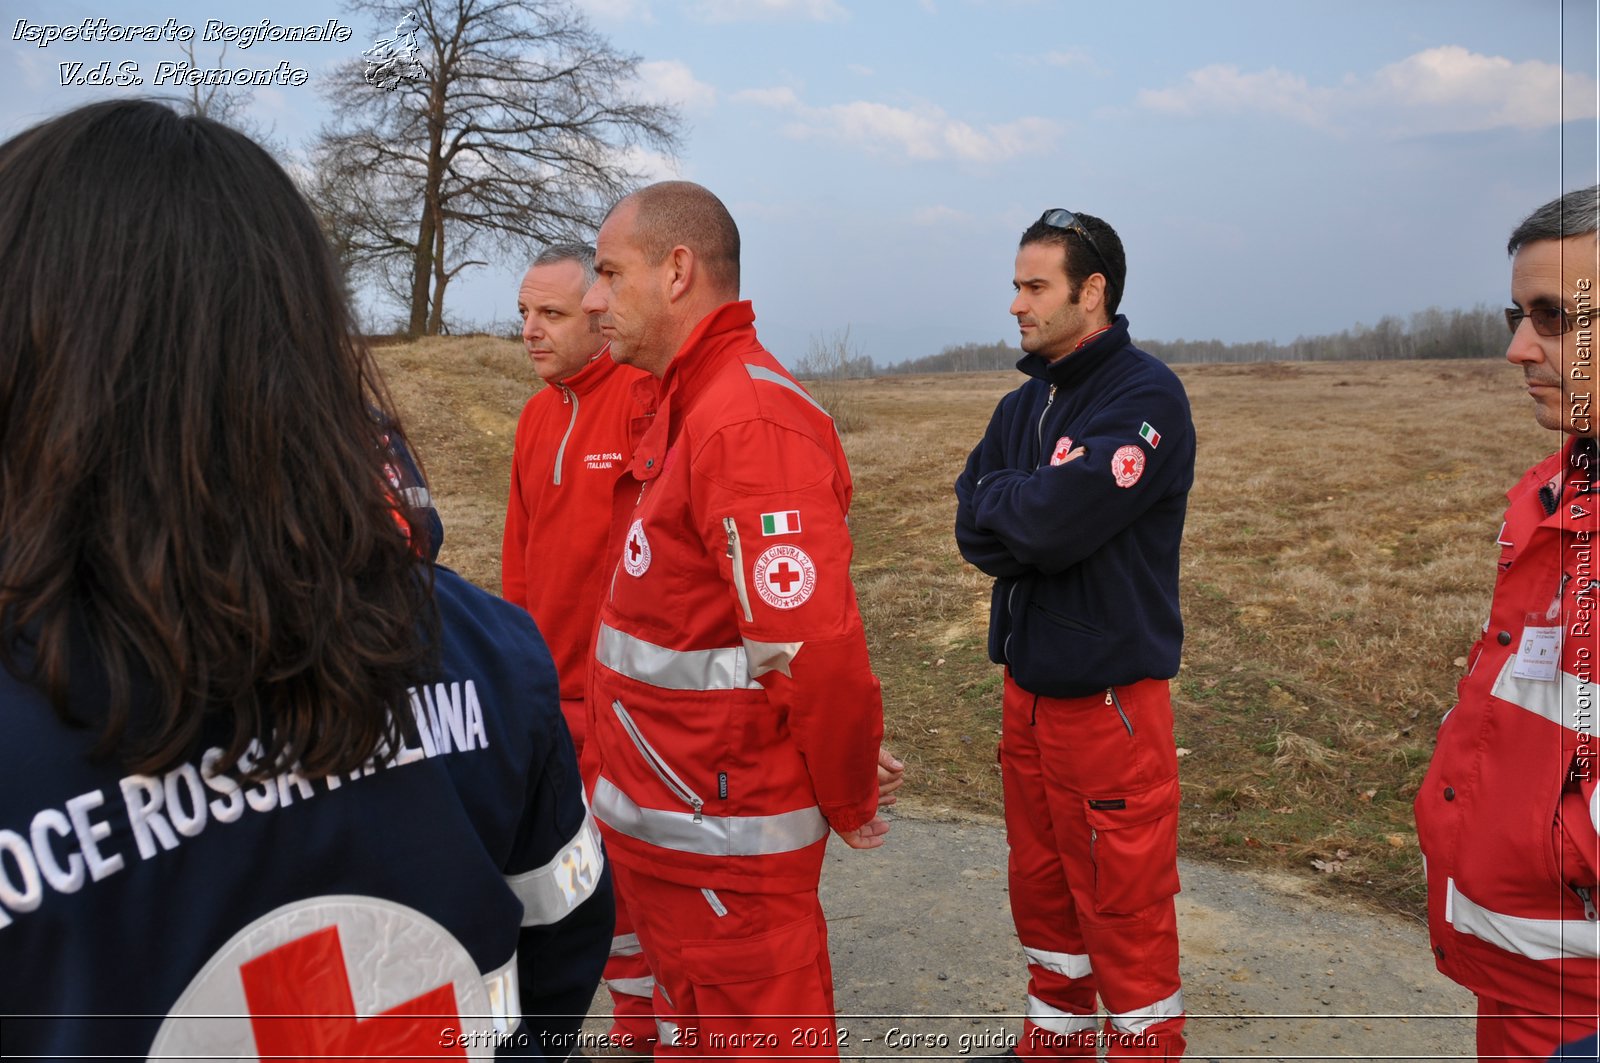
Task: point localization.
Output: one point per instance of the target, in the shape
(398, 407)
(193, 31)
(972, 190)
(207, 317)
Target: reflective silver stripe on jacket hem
(1067, 964)
(1055, 1020)
(1141, 1019)
(505, 999)
(667, 1032)
(761, 372)
(633, 987)
(724, 668)
(1565, 700)
(712, 835)
(549, 892)
(1537, 939)
(625, 945)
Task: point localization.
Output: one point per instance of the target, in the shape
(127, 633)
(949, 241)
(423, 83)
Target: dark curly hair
(192, 501)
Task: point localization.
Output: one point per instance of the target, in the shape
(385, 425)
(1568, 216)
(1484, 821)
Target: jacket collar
(708, 347)
(593, 373)
(1081, 363)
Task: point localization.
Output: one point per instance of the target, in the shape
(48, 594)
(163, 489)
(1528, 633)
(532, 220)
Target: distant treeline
(1432, 333)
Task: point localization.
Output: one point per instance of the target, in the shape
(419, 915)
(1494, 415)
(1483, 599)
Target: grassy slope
(1337, 563)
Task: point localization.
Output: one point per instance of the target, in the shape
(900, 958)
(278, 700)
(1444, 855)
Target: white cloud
(669, 81)
(649, 166)
(774, 97)
(864, 71)
(1440, 90)
(750, 10)
(1469, 92)
(922, 132)
(1072, 57)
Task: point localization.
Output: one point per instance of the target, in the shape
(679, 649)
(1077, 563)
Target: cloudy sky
(1275, 169)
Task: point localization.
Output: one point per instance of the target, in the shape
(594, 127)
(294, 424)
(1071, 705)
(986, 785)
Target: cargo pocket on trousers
(1134, 846)
(768, 974)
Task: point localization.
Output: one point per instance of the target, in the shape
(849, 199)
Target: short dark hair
(582, 254)
(1081, 259)
(1574, 214)
(681, 212)
(192, 502)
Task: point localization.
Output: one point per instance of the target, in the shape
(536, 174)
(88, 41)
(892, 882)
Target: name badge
(1539, 655)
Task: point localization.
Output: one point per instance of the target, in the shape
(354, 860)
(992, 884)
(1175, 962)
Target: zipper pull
(1587, 894)
(697, 805)
(730, 527)
(1050, 397)
(1108, 696)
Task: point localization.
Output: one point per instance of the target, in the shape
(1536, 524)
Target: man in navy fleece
(1074, 502)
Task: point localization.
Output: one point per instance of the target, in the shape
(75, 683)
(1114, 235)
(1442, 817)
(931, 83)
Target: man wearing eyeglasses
(1507, 814)
(1074, 503)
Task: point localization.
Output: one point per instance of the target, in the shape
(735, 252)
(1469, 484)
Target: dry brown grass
(1338, 559)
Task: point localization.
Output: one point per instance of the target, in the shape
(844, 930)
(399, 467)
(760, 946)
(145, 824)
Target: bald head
(681, 213)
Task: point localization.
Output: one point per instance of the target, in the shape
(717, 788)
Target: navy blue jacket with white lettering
(452, 888)
(1084, 552)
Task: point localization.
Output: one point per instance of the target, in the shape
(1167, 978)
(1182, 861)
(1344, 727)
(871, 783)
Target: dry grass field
(1337, 564)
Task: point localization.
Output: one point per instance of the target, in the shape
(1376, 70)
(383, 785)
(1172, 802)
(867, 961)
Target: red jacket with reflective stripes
(732, 709)
(572, 446)
(1504, 815)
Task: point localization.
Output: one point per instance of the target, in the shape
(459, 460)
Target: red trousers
(627, 974)
(1091, 799)
(1510, 1033)
(738, 975)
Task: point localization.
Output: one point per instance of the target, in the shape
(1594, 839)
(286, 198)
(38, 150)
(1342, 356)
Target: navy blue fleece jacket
(1084, 551)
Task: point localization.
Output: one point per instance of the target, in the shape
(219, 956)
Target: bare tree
(515, 133)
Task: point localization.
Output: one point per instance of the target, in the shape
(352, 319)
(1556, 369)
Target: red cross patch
(1063, 448)
(341, 975)
(636, 550)
(1127, 465)
(785, 576)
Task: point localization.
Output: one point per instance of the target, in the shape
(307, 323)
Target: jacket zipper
(663, 771)
(1049, 400)
(561, 451)
(1587, 894)
(736, 555)
(1112, 699)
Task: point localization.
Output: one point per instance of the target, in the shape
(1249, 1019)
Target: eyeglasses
(1547, 320)
(1059, 218)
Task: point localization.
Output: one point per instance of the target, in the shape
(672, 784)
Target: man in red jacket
(732, 708)
(572, 445)
(1507, 814)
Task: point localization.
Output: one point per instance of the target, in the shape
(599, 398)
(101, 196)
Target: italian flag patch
(785, 523)
(1150, 435)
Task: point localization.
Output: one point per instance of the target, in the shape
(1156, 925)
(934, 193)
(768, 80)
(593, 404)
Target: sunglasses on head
(1059, 218)
(1547, 320)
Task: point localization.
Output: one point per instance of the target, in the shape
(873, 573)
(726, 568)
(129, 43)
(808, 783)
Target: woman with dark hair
(262, 762)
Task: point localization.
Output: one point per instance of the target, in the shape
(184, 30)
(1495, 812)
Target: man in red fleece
(572, 445)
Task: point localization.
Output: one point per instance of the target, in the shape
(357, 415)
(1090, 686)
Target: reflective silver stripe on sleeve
(1055, 1020)
(761, 372)
(770, 656)
(1566, 701)
(625, 945)
(724, 668)
(548, 893)
(1067, 964)
(1537, 939)
(1141, 1019)
(505, 1002)
(667, 1032)
(633, 987)
(712, 835)
(417, 496)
